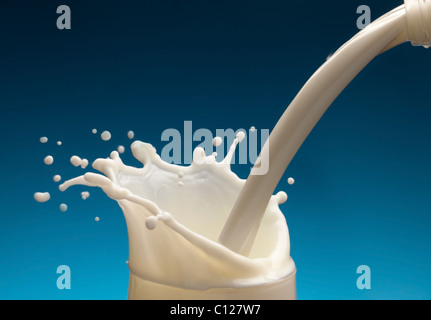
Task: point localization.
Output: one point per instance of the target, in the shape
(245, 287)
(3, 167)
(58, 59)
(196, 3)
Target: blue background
(361, 195)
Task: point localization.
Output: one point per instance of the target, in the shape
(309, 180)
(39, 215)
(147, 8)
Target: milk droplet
(121, 149)
(84, 163)
(106, 135)
(48, 160)
(151, 222)
(281, 197)
(290, 181)
(217, 141)
(75, 160)
(180, 183)
(240, 135)
(59, 143)
(43, 139)
(94, 131)
(85, 195)
(97, 219)
(57, 178)
(180, 174)
(252, 129)
(42, 196)
(63, 207)
(130, 134)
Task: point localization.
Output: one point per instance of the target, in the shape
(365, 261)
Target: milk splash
(174, 215)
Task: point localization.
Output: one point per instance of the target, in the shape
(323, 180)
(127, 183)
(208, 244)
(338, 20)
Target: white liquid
(85, 195)
(106, 135)
(94, 131)
(240, 136)
(42, 196)
(57, 178)
(63, 207)
(217, 141)
(130, 134)
(84, 163)
(290, 181)
(77, 161)
(59, 143)
(43, 140)
(48, 160)
(121, 149)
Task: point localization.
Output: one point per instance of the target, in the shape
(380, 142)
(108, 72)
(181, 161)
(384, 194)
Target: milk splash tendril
(173, 227)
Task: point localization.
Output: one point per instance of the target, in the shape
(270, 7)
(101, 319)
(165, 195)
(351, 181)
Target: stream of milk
(411, 21)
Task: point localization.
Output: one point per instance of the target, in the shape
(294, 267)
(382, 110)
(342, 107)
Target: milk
(48, 160)
(42, 196)
(106, 136)
(201, 232)
(78, 162)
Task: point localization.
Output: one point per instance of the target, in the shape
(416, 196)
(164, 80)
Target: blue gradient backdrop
(362, 186)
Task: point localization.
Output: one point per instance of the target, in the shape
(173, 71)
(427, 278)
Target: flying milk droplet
(42, 196)
(84, 163)
(240, 135)
(281, 197)
(217, 141)
(48, 160)
(106, 135)
(75, 160)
